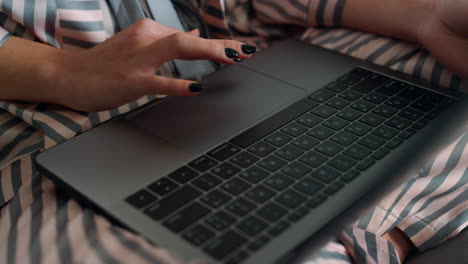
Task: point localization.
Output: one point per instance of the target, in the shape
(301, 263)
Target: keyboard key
(183, 175)
(371, 119)
(226, 170)
(313, 159)
(141, 199)
(289, 152)
(385, 132)
(308, 186)
(252, 226)
(240, 207)
(206, 182)
(316, 200)
(397, 102)
(333, 188)
(422, 105)
(296, 170)
(391, 88)
(411, 114)
(305, 142)
(433, 98)
(294, 129)
(244, 159)
(349, 79)
(171, 203)
(298, 214)
(272, 212)
(274, 122)
(279, 181)
(272, 163)
(261, 149)
(278, 139)
(349, 114)
(358, 129)
(411, 93)
(370, 83)
(258, 243)
(222, 246)
(237, 257)
(198, 235)
(189, 215)
(224, 152)
(279, 228)
(375, 98)
(322, 95)
(384, 110)
(407, 133)
(203, 163)
(392, 144)
(291, 199)
(337, 103)
(335, 123)
(235, 186)
(220, 220)
(362, 106)
(254, 174)
(361, 73)
(350, 95)
(365, 164)
(379, 154)
(320, 132)
(260, 194)
(336, 87)
(342, 163)
(357, 152)
(398, 122)
(371, 142)
(420, 124)
(309, 120)
(344, 138)
(326, 174)
(329, 148)
(350, 175)
(323, 111)
(215, 198)
(163, 186)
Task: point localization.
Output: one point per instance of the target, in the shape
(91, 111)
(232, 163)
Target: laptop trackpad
(234, 99)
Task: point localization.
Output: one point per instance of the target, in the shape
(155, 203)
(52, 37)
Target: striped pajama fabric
(40, 225)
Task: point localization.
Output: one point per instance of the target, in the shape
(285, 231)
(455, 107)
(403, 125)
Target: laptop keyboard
(235, 199)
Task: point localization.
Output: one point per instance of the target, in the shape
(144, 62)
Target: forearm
(393, 18)
(28, 71)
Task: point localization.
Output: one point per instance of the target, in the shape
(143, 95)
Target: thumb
(155, 84)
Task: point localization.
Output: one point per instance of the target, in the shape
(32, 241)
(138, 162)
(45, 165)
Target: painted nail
(248, 49)
(231, 53)
(196, 87)
(238, 60)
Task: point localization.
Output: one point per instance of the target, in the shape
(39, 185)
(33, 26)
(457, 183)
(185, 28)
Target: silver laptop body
(105, 166)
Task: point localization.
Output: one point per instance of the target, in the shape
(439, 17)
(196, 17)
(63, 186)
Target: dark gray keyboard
(235, 199)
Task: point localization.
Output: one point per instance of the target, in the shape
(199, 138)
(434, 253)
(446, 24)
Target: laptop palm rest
(233, 100)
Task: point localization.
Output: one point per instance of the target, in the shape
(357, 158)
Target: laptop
(275, 156)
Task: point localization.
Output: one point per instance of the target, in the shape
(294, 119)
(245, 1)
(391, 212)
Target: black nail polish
(196, 87)
(238, 60)
(248, 49)
(231, 53)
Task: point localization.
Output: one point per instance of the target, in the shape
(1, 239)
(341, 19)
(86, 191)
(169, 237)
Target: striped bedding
(38, 226)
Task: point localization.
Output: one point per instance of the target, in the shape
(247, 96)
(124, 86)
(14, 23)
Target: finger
(246, 50)
(168, 86)
(187, 47)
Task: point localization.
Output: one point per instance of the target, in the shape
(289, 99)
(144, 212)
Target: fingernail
(248, 49)
(231, 53)
(238, 60)
(196, 87)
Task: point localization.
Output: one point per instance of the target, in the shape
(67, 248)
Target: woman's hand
(122, 69)
(444, 32)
